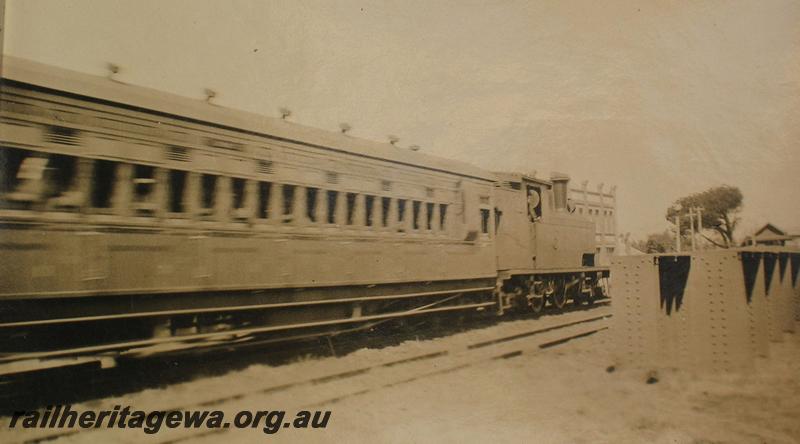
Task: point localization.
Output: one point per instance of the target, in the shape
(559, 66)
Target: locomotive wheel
(518, 297)
(597, 293)
(560, 296)
(536, 299)
(578, 297)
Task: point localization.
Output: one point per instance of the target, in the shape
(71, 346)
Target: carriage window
(351, 207)
(333, 197)
(484, 221)
(10, 161)
(208, 185)
(62, 173)
(415, 206)
(63, 191)
(239, 211)
(369, 203)
(311, 203)
(442, 216)
(429, 216)
(288, 202)
(23, 174)
(264, 189)
(143, 181)
(401, 209)
(144, 184)
(386, 203)
(238, 192)
(103, 178)
(177, 185)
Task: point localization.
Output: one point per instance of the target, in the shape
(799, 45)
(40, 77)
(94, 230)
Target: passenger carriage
(135, 210)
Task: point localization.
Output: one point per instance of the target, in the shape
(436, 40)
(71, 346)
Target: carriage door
(201, 261)
(94, 247)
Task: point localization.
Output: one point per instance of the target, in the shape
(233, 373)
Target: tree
(719, 206)
(657, 243)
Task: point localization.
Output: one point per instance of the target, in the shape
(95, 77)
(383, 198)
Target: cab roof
(502, 176)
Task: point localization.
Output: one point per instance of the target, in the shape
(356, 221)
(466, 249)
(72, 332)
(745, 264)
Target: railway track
(351, 376)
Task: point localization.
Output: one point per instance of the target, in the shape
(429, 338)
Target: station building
(599, 204)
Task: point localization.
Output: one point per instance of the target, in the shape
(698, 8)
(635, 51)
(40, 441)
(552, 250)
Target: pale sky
(660, 98)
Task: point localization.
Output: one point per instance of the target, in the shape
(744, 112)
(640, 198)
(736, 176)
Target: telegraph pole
(699, 220)
(678, 233)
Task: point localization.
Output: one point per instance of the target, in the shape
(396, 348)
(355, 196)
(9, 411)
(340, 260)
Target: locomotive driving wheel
(536, 296)
(596, 293)
(577, 297)
(560, 294)
(580, 292)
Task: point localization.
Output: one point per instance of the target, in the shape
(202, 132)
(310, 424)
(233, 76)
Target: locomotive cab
(536, 227)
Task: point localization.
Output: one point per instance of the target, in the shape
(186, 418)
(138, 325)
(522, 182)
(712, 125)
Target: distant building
(771, 235)
(600, 206)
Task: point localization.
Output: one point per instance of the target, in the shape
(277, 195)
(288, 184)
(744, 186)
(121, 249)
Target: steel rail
(482, 354)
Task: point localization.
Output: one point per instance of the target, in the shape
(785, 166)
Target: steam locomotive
(131, 217)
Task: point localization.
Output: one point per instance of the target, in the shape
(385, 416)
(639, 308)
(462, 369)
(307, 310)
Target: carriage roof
(150, 100)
